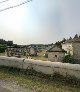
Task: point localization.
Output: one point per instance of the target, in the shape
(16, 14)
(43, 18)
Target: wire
(4, 1)
(15, 5)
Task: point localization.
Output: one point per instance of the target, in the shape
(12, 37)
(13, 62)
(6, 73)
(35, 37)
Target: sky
(39, 21)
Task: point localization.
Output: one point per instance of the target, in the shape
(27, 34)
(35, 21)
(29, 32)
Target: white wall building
(73, 47)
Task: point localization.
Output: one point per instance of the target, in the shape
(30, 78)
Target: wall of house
(32, 51)
(46, 67)
(56, 56)
(76, 50)
(68, 47)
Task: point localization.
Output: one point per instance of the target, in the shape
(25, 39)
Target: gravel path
(6, 86)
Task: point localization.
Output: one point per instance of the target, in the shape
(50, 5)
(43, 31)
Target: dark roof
(56, 49)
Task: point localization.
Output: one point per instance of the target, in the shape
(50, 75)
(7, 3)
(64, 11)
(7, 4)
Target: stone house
(72, 47)
(56, 54)
(32, 51)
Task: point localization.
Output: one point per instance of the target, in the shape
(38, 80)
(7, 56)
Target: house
(38, 46)
(32, 51)
(48, 46)
(41, 46)
(15, 51)
(56, 54)
(72, 47)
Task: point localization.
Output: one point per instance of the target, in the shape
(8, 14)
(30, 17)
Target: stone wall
(76, 50)
(45, 67)
(56, 56)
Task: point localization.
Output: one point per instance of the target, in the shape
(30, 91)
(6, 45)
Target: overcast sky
(39, 21)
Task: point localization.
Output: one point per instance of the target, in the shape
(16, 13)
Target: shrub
(2, 50)
(68, 59)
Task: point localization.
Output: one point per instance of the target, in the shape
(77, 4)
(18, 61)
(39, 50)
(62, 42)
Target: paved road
(4, 89)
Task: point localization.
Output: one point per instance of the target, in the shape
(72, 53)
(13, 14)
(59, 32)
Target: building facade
(56, 54)
(33, 51)
(72, 47)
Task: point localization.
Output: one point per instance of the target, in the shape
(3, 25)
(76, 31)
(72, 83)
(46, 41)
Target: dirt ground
(7, 86)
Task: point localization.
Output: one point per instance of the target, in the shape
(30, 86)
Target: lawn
(37, 83)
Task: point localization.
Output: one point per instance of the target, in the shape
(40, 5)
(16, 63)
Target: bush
(68, 59)
(2, 50)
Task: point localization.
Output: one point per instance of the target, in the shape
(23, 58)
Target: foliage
(59, 43)
(2, 48)
(70, 38)
(68, 59)
(15, 46)
(76, 36)
(9, 43)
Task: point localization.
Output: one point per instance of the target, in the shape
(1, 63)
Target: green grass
(38, 83)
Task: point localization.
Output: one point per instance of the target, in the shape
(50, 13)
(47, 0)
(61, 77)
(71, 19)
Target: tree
(63, 40)
(58, 44)
(9, 43)
(2, 48)
(76, 36)
(70, 38)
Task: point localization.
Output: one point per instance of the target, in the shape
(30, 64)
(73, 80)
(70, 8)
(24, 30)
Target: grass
(39, 83)
(40, 56)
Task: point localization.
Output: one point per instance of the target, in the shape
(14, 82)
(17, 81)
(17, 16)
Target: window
(56, 56)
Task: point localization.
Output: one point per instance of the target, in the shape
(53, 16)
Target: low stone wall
(45, 67)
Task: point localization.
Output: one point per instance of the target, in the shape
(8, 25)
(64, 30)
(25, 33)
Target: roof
(32, 47)
(56, 49)
(74, 40)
